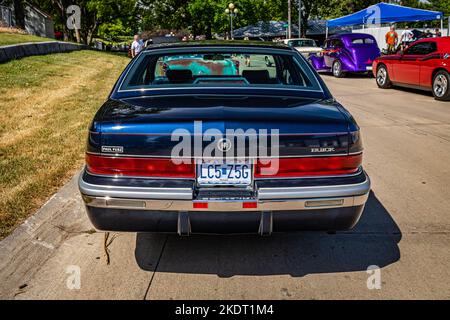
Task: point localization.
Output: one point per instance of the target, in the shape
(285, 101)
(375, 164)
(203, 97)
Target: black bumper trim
(225, 222)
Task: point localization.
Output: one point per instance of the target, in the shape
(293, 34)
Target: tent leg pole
(442, 25)
(326, 32)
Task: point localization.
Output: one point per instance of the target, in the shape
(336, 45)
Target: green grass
(15, 38)
(46, 106)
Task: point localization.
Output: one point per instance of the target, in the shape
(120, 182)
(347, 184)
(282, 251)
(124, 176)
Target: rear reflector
(138, 167)
(324, 203)
(200, 205)
(249, 205)
(303, 167)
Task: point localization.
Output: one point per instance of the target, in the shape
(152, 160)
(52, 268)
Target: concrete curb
(27, 248)
(17, 51)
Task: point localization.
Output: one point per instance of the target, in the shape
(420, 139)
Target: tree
(441, 5)
(164, 14)
(19, 13)
(310, 8)
(117, 16)
(202, 13)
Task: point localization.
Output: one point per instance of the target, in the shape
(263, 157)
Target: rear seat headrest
(179, 75)
(256, 76)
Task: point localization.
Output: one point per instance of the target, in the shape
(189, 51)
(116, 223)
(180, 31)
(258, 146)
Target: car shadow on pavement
(417, 92)
(374, 241)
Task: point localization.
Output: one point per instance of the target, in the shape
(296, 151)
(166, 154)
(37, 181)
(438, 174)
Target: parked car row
(312, 180)
(424, 65)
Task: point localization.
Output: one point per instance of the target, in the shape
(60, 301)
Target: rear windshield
(363, 41)
(219, 69)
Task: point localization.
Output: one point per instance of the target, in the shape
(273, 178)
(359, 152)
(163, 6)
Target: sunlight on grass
(46, 107)
(7, 38)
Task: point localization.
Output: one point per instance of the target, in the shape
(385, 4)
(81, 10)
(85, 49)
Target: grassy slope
(46, 106)
(13, 38)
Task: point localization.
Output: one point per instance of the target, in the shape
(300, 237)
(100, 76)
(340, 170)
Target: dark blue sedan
(223, 138)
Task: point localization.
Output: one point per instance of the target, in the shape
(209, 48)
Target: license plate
(224, 174)
(369, 68)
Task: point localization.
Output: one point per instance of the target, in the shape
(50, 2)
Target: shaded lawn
(46, 105)
(14, 38)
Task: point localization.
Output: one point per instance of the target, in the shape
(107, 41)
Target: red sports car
(424, 65)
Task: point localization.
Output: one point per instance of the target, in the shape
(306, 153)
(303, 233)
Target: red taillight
(303, 167)
(138, 167)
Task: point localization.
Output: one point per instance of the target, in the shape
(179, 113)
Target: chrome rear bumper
(182, 199)
(155, 208)
(226, 205)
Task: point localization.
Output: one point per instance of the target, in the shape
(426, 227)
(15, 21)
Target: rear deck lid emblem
(322, 150)
(224, 145)
(112, 149)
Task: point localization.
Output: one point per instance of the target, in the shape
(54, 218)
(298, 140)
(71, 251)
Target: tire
(382, 78)
(337, 69)
(441, 86)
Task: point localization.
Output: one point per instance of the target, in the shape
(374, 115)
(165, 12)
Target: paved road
(405, 230)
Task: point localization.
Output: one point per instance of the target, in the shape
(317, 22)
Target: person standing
(406, 38)
(391, 40)
(247, 56)
(136, 46)
(438, 33)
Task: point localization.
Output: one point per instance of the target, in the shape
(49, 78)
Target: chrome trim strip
(315, 192)
(234, 135)
(222, 205)
(243, 88)
(134, 192)
(117, 155)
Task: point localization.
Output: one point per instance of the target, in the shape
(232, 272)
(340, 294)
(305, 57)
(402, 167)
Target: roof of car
(440, 39)
(443, 42)
(296, 39)
(214, 43)
(351, 35)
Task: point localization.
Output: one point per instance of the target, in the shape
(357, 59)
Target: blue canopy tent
(386, 13)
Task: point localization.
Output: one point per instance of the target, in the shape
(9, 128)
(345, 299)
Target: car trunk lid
(145, 126)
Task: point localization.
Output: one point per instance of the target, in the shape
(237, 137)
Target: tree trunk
(19, 13)
(77, 35)
(304, 26)
(63, 17)
(208, 32)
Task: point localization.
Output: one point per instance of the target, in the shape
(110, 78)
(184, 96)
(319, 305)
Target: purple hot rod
(342, 53)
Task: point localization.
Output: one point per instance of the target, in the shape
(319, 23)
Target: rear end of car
(305, 46)
(363, 50)
(267, 152)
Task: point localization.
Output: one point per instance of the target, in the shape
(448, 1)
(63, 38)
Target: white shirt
(137, 46)
(407, 36)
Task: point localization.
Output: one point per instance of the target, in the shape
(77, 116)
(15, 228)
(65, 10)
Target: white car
(303, 45)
